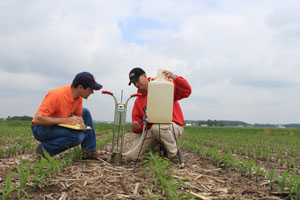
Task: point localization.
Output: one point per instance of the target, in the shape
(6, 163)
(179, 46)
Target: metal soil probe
(119, 128)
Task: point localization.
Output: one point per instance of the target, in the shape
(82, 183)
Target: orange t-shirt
(59, 102)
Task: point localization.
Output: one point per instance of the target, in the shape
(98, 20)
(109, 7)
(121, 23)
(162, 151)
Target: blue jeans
(56, 139)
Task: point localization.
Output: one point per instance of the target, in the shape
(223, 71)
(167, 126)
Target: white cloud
(241, 58)
(10, 83)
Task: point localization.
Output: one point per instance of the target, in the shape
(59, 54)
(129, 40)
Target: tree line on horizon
(221, 123)
(18, 118)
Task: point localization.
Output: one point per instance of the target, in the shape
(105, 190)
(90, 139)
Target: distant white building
(280, 126)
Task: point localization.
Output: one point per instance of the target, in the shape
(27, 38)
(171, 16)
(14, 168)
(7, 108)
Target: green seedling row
(163, 182)
(37, 173)
(260, 154)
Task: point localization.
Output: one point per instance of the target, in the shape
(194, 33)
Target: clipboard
(75, 127)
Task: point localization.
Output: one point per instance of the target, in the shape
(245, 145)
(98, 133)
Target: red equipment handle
(135, 95)
(107, 92)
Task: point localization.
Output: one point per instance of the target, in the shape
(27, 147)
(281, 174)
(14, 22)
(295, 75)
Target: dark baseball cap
(86, 79)
(135, 74)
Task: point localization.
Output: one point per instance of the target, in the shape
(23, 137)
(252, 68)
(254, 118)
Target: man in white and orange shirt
(167, 133)
(63, 105)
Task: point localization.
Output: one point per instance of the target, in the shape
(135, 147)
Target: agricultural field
(220, 163)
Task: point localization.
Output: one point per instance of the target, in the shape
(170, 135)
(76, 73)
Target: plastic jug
(160, 99)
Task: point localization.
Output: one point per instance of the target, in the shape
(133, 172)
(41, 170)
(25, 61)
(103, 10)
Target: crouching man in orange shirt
(63, 105)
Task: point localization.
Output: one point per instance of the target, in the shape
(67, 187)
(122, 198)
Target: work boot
(92, 155)
(175, 160)
(39, 152)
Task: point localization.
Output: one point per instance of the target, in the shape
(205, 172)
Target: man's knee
(87, 117)
(86, 112)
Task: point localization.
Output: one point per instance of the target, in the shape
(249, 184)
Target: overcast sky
(241, 58)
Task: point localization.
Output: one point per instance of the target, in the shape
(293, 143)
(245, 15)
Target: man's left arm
(182, 88)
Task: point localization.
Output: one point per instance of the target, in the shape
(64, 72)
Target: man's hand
(135, 126)
(170, 75)
(75, 120)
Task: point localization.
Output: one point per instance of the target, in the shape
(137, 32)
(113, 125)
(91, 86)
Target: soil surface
(98, 179)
